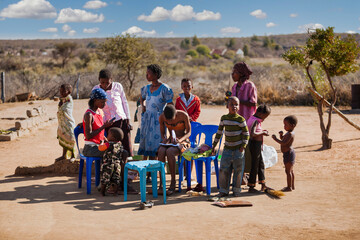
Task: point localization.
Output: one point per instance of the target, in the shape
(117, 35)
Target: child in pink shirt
(255, 146)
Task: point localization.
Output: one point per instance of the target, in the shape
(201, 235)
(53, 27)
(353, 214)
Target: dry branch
(321, 98)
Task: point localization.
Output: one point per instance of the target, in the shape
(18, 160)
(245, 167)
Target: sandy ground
(325, 204)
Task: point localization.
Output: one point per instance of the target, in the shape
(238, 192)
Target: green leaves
(337, 56)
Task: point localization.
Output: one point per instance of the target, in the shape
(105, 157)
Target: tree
(246, 50)
(65, 51)
(185, 44)
(203, 50)
(195, 41)
(130, 53)
(231, 43)
(330, 56)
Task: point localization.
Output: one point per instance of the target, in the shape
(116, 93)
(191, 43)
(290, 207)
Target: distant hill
(275, 45)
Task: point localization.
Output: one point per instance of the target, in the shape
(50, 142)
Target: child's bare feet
(286, 189)
(102, 189)
(112, 189)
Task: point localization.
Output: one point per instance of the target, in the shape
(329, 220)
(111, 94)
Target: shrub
(192, 53)
(203, 50)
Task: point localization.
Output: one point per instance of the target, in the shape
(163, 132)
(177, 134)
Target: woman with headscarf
(94, 125)
(244, 90)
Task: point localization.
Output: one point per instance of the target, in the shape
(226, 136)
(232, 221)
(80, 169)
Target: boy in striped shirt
(236, 139)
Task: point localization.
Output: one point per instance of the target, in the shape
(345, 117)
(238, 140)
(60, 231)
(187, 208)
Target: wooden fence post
(3, 87)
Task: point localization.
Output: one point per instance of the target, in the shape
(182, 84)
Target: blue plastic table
(142, 167)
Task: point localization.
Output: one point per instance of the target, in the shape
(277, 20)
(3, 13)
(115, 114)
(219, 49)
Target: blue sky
(38, 19)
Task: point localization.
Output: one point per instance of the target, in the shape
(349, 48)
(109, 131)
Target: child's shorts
(289, 157)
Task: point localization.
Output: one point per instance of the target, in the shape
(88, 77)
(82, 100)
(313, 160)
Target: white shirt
(116, 103)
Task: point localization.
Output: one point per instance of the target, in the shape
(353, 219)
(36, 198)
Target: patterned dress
(65, 132)
(150, 128)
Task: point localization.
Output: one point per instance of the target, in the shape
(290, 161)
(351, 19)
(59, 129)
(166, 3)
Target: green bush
(203, 50)
(192, 53)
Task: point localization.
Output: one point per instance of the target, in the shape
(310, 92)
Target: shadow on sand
(65, 191)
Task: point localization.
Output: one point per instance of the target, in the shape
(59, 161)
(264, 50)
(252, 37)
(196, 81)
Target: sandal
(170, 191)
(198, 188)
(147, 204)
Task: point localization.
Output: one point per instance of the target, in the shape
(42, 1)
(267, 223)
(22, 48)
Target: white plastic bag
(269, 156)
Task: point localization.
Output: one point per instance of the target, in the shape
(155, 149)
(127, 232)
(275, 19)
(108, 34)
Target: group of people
(107, 129)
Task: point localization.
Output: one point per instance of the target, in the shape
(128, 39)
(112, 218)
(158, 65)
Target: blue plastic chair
(193, 144)
(209, 131)
(142, 167)
(89, 160)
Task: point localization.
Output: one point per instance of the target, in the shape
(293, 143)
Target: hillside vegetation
(37, 65)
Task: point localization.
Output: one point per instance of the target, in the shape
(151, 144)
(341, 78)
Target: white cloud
(48, 30)
(66, 28)
(270, 24)
(95, 4)
(294, 15)
(228, 30)
(207, 15)
(309, 27)
(35, 9)
(179, 13)
(91, 30)
(170, 34)
(359, 28)
(134, 30)
(77, 15)
(157, 14)
(71, 33)
(258, 14)
(119, 3)
(351, 32)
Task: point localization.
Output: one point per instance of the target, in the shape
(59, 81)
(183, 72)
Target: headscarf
(243, 69)
(98, 93)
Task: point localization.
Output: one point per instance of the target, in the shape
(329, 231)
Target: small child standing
(114, 159)
(187, 101)
(286, 142)
(236, 139)
(65, 131)
(255, 146)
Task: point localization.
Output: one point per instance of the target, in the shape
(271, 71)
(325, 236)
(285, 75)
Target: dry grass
(277, 82)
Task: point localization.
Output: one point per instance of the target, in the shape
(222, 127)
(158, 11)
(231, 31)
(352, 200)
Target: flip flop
(170, 191)
(147, 204)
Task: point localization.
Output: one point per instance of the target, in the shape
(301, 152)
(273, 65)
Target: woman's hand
(266, 133)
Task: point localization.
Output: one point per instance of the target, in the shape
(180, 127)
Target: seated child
(114, 160)
(286, 142)
(236, 139)
(255, 146)
(187, 101)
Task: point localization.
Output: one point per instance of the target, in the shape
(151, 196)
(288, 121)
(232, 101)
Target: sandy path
(325, 204)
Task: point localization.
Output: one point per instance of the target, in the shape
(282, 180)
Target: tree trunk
(326, 141)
